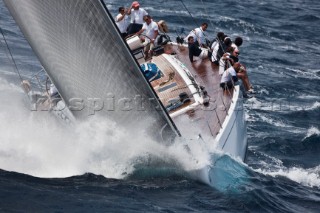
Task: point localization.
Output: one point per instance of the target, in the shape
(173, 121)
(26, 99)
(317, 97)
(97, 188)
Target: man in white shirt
(122, 21)
(215, 48)
(152, 32)
(198, 35)
(137, 15)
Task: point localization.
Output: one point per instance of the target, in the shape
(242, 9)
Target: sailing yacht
(97, 72)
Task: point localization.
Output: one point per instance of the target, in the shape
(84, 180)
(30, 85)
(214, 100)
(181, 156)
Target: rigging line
(206, 13)
(11, 56)
(194, 20)
(183, 21)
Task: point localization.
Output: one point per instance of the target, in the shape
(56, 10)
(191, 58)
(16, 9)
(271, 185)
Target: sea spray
(35, 143)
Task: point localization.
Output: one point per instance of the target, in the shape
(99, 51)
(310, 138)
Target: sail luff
(127, 48)
(80, 48)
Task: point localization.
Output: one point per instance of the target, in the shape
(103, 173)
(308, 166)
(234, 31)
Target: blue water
(282, 171)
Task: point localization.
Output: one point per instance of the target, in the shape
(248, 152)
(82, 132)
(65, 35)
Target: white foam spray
(308, 177)
(35, 143)
(313, 131)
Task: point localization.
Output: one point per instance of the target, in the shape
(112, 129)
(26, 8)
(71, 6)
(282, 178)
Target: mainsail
(80, 47)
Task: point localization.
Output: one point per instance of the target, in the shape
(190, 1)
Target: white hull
(232, 138)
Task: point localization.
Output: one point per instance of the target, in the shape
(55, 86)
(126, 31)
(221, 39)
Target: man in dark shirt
(195, 50)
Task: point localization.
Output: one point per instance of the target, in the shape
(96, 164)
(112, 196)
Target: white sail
(80, 47)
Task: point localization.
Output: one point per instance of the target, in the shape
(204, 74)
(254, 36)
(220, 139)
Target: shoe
(251, 91)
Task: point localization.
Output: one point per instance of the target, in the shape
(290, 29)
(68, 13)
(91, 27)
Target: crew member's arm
(129, 10)
(140, 31)
(121, 17)
(156, 33)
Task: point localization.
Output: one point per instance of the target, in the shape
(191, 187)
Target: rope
(10, 55)
(194, 20)
(206, 13)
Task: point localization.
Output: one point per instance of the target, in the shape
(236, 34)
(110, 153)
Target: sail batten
(81, 50)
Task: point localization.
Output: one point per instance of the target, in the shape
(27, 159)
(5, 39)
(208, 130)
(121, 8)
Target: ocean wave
(269, 165)
(312, 131)
(167, 11)
(288, 26)
(284, 60)
(268, 106)
(229, 22)
(308, 74)
(306, 177)
(269, 161)
(306, 96)
(292, 49)
(282, 105)
(299, 108)
(316, 105)
(278, 123)
(308, 18)
(255, 118)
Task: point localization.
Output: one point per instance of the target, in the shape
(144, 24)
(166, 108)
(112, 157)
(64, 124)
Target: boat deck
(171, 85)
(208, 118)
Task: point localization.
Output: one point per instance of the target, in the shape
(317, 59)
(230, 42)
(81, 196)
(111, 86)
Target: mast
(84, 55)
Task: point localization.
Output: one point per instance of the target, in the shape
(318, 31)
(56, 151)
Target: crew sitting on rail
(216, 43)
(230, 59)
(237, 43)
(195, 50)
(242, 74)
(229, 77)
